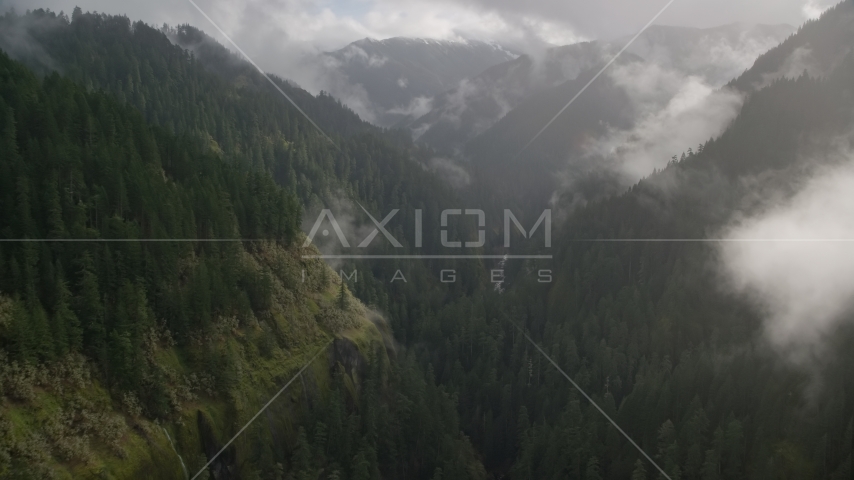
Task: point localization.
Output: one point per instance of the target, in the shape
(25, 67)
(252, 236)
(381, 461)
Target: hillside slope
(715, 55)
(154, 296)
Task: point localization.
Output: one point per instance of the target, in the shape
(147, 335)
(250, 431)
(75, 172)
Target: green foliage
(127, 163)
(121, 179)
(639, 472)
(342, 296)
(401, 425)
(181, 145)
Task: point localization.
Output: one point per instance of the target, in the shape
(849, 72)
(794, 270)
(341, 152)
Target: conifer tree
(639, 472)
(342, 296)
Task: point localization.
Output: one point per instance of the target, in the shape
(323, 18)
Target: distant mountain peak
(400, 74)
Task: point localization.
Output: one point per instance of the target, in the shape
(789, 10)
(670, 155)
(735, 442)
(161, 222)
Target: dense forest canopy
(184, 180)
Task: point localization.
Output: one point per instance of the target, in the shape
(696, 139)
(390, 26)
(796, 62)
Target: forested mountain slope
(106, 343)
(651, 330)
(217, 97)
(817, 49)
(478, 103)
(458, 116)
(609, 138)
(196, 335)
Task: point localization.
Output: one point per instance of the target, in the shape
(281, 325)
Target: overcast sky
(278, 33)
(333, 23)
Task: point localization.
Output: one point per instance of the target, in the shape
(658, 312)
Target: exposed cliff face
(345, 352)
(222, 467)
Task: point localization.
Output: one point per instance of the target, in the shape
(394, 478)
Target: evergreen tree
(639, 472)
(592, 471)
(342, 297)
(711, 466)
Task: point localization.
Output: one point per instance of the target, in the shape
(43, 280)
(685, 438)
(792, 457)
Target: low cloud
(717, 56)
(474, 106)
(813, 9)
(803, 61)
(456, 101)
(674, 112)
(416, 108)
(676, 102)
(354, 52)
(17, 41)
(451, 172)
(262, 26)
(789, 260)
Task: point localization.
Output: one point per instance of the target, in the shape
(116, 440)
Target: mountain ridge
(484, 101)
(395, 72)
